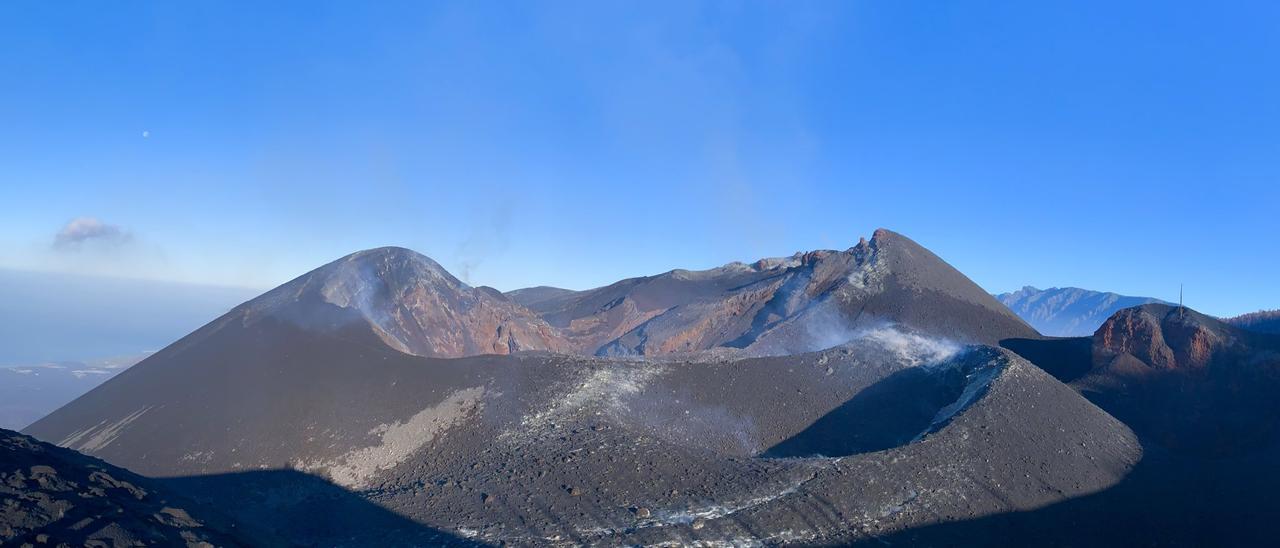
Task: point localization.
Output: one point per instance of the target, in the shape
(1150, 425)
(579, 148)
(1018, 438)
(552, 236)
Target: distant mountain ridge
(539, 297)
(1262, 321)
(1068, 311)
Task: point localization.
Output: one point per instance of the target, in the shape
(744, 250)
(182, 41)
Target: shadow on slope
(1067, 359)
(307, 510)
(1167, 500)
(886, 414)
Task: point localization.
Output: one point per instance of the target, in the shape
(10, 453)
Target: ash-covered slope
(57, 497)
(647, 453)
(801, 303)
(410, 302)
(1067, 311)
(249, 395)
(891, 429)
(313, 348)
(1262, 321)
(539, 448)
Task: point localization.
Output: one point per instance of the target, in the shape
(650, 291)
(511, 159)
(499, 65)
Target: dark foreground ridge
(53, 496)
(58, 497)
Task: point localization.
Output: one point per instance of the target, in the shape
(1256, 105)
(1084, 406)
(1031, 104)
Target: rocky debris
(1135, 333)
(1162, 336)
(53, 496)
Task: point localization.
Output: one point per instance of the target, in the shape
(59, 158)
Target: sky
(1128, 147)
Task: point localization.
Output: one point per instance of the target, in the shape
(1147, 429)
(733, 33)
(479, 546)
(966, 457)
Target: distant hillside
(30, 392)
(537, 298)
(1263, 321)
(1067, 311)
(1188, 381)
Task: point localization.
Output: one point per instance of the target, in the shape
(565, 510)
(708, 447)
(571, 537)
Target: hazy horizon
(56, 317)
(217, 286)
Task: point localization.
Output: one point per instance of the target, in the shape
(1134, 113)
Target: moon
(145, 134)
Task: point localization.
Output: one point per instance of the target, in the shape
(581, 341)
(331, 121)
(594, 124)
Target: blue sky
(1120, 147)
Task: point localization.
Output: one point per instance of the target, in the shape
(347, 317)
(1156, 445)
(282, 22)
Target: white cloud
(82, 230)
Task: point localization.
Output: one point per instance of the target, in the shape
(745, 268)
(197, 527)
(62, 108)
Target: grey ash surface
(1023, 441)
(547, 449)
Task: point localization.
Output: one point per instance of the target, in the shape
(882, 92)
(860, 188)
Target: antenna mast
(1180, 307)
